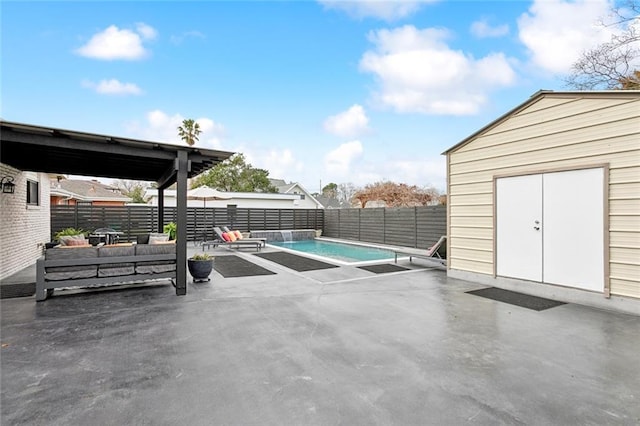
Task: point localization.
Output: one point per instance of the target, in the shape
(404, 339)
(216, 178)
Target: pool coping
(340, 262)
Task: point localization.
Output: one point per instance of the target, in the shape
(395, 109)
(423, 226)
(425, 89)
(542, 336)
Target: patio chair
(439, 249)
(437, 252)
(261, 239)
(220, 241)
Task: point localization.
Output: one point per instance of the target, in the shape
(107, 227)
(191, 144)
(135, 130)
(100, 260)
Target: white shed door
(574, 229)
(519, 213)
(550, 228)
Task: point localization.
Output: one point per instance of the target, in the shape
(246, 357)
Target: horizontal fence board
(133, 221)
(407, 227)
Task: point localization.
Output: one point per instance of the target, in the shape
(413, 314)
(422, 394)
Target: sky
(315, 92)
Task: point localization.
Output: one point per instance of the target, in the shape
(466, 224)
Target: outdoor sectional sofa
(87, 266)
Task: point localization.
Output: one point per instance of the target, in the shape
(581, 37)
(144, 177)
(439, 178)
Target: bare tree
(346, 191)
(396, 194)
(614, 64)
(133, 189)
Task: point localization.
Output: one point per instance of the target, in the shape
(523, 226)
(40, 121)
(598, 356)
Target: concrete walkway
(337, 346)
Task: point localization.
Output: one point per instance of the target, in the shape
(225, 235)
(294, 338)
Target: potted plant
(200, 266)
(67, 232)
(170, 228)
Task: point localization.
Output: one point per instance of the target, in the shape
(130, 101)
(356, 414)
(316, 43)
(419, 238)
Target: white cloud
(388, 10)
(112, 87)
(281, 164)
(178, 39)
(418, 72)
(556, 32)
(348, 124)
(161, 127)
(114, 43)
(339, 161)
(482, 29)
(147, 32)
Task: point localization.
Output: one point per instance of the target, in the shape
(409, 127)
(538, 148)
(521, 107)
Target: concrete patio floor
(335, 346)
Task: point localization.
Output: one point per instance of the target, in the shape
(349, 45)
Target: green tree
(330, 190)
(236, 175)
(189, 131)
(133, 189)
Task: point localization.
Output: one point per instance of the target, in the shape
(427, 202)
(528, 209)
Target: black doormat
(232, 266)
(524, 300)
(383, 269)
(295, 262)
(9, 291)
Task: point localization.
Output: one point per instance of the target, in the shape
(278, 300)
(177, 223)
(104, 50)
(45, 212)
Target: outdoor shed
(546, 199)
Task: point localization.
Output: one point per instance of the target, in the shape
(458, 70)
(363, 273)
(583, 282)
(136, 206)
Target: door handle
(537, 225)
(537, 228)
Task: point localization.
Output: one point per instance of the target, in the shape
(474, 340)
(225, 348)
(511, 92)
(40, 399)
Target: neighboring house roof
(293, 188)
(278, 183)
(603, 94)
(87, 190)
(330, 203)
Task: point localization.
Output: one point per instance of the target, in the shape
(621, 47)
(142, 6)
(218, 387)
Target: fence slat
(140, 220)
(407, 227)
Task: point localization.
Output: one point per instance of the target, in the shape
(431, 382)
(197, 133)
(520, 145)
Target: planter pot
(200, 269)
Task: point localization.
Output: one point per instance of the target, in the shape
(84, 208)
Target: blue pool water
(337, 251)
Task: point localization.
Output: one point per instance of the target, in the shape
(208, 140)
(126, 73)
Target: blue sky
(313, 91)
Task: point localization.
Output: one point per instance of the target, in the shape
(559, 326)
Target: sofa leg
(41, 292)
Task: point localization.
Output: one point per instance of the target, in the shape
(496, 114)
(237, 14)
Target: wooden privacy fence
(418, 227)
(139, 220)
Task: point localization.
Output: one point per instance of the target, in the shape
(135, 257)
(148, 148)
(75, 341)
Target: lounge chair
(220, 241)
(437, 252)
(261, 239)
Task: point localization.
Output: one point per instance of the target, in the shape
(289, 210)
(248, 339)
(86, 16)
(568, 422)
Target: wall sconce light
(8, 187)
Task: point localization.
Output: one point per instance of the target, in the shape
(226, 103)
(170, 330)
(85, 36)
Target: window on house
(302, 196)
(33, 193)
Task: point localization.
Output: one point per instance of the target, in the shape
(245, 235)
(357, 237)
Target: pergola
(49, 150)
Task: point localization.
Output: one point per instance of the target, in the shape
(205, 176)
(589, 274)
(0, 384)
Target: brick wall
(24, 229)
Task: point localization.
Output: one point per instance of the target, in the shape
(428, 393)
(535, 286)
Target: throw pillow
(226, 237)
(158, 238)
(232, 236)
(68, 240)
(238, 235)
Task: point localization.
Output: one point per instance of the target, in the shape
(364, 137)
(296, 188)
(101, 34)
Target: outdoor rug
(523, 300)
(232, 266)
(295, 262)
(383, 269)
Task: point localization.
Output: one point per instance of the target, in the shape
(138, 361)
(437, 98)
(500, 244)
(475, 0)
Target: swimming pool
(342, 252)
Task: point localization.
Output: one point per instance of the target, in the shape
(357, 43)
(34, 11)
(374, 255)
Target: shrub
(170, 228)
(69, 231)
(201, 256)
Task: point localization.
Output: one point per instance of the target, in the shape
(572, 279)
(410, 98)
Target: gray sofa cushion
(57, 273)
(116, 269)
(155, 267)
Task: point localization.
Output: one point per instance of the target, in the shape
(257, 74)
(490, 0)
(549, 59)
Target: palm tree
(189, 131)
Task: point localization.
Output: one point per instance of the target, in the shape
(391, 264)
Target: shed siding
(552, 133)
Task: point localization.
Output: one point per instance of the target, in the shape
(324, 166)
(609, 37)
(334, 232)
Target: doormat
(383, 269)
(295, 262)
(9, 291)
(232, 266)
(523, 300)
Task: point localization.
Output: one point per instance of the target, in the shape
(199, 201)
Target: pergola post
(181, 232)
(160, 210)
